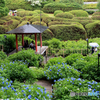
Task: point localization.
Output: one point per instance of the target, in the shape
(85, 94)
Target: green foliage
(65, 15)
(9, 43)
(67, 85)
(67, 32)
(38, 23)
(20, 10)
(57, 12)
(18, 71)
(54, 61)
(27, 56)
(90, 6)
(2, 55)
(18, 4)
(96, 13)
(93, 29)
(60, 70)
(72, 1)
(52, 7)
(98, 5)
(79, 13)
(96, 17)
(3, 9)
(73, 58)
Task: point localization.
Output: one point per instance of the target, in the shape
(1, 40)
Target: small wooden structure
(27, 30)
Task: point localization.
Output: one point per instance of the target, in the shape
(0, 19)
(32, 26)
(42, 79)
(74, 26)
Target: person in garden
(92, 50)
(15, 14)
(95, 49)
(32, 45)
(25, 44)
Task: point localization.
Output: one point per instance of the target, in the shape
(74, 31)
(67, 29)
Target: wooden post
(36, 41)
(16, 43)
(22, 39)
(2, 47)
(41, 39)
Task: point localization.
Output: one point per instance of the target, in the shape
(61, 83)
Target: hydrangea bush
(67, 85)
(59, 70)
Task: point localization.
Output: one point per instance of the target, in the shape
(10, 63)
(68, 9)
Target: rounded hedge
(65, 15)
(79, 13)
(96, 17)
(93, 29)
(96, 13)
(38, 23)
(52, 7)
(57, 12)
(68, 32)
(2, 55)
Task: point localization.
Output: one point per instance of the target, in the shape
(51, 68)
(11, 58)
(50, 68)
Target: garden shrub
(7, 18)
(47, 34)
(36, 18)
(82, 18)
(21, 91)
(68, 32)
(2, 22)
(57, 12)
(18, 71)
(28, 56)
(73, 58)
(16, 18)
(9, 43)
(2, 55)
(22, 23)
(38, 23)
(96, 13)
(57, 71)
(54, 61)
(28, 18)
(39, 11)
(79, 13)
(93, 29)
(96, 17)
(90, 6)
(65, 15)
(26, 13)
(4, 29)
(52, 7)
(20, 10)
(67, 85)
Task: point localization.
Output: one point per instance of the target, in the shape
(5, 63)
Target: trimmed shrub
(28, 18)
(90, 6)
(47, 34)
(22, 23)
(16, 18)
(36, 18)
(38, 11)
(82, 18)
(26, 13)
(57, 12)
(68, 32)
(20, 10)
(2, 55)
(27, 56)
(7, 18)
(38, 23)
(79, 13)
(4, 29)
(93, 29)
(96, 17)
(52, 7)
(96, 13)
(65, 15)
(2, 22)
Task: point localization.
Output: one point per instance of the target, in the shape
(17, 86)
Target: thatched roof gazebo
(27, 30)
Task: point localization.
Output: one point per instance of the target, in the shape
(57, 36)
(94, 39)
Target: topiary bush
(57, 12)
(52, 7)
(27, 56)
(96, 13)
(96, 17)
(65, 15)
(79, 13)
(68, 32)
(93, 29)
(57, 71)
(38, 23)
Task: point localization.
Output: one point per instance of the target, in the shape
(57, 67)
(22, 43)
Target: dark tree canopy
(3, 9)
